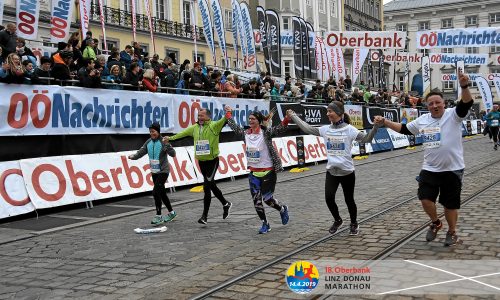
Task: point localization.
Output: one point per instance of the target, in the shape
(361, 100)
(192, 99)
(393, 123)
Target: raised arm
(186, 132)
(366, 138)
(466, 102)
(302, 125)
(237, 129)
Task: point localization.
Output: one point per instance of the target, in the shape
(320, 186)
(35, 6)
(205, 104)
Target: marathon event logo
(452, 38)
(302, 277)
(367, 39)
(347, 279)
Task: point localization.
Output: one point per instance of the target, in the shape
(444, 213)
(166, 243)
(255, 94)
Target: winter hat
(258, 115)
(337, 107)
(155, 126)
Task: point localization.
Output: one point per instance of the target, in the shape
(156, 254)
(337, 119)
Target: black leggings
(208, 169)
(494, 133)
(262, 190)
(159, 192)
(331, 186)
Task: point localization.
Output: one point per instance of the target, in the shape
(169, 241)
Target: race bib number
(202, 147)
(154, 164)
(431, 137)
(335, 145)
(253, 155)
(494, 123)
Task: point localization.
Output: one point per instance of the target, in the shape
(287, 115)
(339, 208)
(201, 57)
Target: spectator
(96, 47)
(230, 87)
(114, 60)
(8, 39)
(22, 50)
(183, 83)
(43, 71)
(88, 36)
(77, 57)
(29, 75)
(268, 79)
(362, 85)
(13, 70)
(127, 56)
(138, 52)
(330, 82)
(288, 85)
(101, 65)
(330, 95)
(168, 77)
(88, 51)
(266, 91)
(224, 77)
(275, 92)
(62, 61)
(133, 77)
(249, 90)
(198, 80)
(149, 80)
(296, 94)
(348, 82)
(115, 77)
(183, 67)
(155, 62)
(214, 84)
(339, 94)
(74, 39)
(357, 96)
(88, 75)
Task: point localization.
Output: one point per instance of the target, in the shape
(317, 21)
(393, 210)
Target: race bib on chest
(431, 137)
(335, 145)
(202, 147)
(494, 123)
(154, 164)
(253, 155)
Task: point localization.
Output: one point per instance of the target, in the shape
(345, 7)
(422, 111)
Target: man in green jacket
(205, 135)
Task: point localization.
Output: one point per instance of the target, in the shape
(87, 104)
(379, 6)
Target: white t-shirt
(442, 141)
(258, 155)
(338, 143)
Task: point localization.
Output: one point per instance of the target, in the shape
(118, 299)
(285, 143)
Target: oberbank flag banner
(55, 110)
(459, 37)
(367, 39)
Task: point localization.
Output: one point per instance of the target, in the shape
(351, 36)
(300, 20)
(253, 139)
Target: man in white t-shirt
(443, 166)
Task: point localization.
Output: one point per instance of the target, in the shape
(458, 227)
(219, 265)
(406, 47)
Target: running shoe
(284, 215)
(226, 209)
(336, 225)
(433, 230)
(265, 228)
(354, 230)
(157, 220)
(170, 216)
(495, 147)
(203, 220)
(452, 239)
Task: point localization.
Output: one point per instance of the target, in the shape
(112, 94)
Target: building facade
(420, 15)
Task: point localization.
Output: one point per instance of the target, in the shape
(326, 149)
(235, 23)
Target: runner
(157, 150)
(338, 136)
(263, 162)
(493, 120)
(443, 165)
(205, 134)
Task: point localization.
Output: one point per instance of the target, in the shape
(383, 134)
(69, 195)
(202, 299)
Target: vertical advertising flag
(312, 53)
(60, 20)
(304, 48)
(332, 62)
(2, 2)
(207, 27)
(496, 81)
(84, 16)
(150, 22)
(340, 62)
(219, 27)
(297, 48)
(426, 75)
(101, 12)
(234, 26)
(485, 91)
(460, 67)
(274, 41)
(251, 59)
(358, 59)
(134, 21)
(194, 17)
(370, 72)
(241, 33)
(381, 70)
(406, 77)
(261, 19)
(322, 56)
(27, 16)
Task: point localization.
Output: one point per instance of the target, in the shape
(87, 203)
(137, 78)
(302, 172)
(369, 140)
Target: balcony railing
(123, 18)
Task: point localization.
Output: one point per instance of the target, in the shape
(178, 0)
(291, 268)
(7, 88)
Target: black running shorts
(448, 185)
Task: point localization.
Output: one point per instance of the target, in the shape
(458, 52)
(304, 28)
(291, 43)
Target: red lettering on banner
(35, 116)
(294, 152)
(240, 158)
(188, 115)
(310, 149)
(128, 170)
(99, 177)
(232, 161)
(223, 168)
(15, 99)
(280, 153)
(114, 175)
(321, 146)
(149, 177)
(3, 190)
(181, 170)
(58, 26)
(28, 20)
(74, 180)
(35, 179)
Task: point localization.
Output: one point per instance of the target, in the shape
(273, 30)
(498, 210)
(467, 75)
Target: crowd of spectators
(80, 62)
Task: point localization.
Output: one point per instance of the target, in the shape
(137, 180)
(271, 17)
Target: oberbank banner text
(367, 39)
(460, 37)
(55, 110)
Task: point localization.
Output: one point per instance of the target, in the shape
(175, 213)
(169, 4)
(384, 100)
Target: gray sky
(387, 1)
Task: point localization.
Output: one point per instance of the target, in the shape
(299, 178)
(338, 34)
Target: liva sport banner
(30, 184)
(55, 110)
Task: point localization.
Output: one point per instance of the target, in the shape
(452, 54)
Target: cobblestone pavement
(107, 260)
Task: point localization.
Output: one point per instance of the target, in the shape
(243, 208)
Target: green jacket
(210, 131)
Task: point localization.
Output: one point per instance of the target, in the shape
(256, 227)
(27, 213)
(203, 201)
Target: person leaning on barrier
(89, 76)
(133, 77)
(443, 165)
(61, 68)
(115, 77)
(230, 87)
(43, 70)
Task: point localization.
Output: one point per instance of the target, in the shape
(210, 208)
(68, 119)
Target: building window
(186, 5)
(161, 9)
(287, 64)
(424, 52)
(402, 27)
(401, 82)
(200, 57)
(308, 2)
(127, 6)
(110, 43)
(495, 49)
(495, 18)
(471, 50)
(286, 23)
(377, 10)
(446, 23)
(228, 20)
(424, 25)
(333, 10)
(471, 21)
(321, 6)
(169, 51)
(448, 85)
(447, 50)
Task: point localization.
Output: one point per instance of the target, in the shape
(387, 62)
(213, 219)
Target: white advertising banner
(84, 16)
(398, 140)
(27, 16)
(251, 55)
(14, 198)
(367, 39)
(282, 153)
(219, 28)
(358, 59)
(435, 58)
(340, 63)
(332, 62)
(458, 37)
(54, 110)
(496, 81)
(485, 91)
(60, 21)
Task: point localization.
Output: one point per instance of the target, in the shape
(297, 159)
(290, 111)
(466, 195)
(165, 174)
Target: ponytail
(347, 119)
